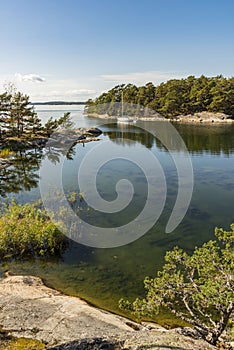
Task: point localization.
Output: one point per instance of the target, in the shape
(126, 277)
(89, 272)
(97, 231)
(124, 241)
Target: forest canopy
(174, 97)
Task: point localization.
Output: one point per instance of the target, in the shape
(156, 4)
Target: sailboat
(124, 118)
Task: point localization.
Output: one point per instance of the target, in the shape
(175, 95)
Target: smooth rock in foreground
(29, 309)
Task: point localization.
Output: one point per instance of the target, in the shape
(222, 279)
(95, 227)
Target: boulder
(94, 131)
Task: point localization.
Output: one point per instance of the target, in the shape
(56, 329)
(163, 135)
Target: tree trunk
(212, 338)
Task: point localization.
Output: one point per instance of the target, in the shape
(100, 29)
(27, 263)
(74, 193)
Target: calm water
(102, 276)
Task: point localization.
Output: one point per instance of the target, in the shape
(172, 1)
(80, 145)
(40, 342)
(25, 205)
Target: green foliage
(51, 125)
(18, 119)
(27, 231)
(63, 122)
(198, 288)
(175, 97)
(17, 116)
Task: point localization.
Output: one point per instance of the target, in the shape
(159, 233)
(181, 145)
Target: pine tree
(17, 116)
(198, 288)
(5, 101)
(23, 118)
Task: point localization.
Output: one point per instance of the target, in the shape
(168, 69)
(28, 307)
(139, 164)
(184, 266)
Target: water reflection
(199, 139)
(124, 134)
(23, 174)
(210, 139)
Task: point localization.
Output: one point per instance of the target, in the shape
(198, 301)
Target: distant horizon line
(53, 103)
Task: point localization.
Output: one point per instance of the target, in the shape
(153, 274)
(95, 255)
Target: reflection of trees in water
(54, 154)
(210, 139)
(198, 142)
(214, 139)
(23, 174)
(125, 137)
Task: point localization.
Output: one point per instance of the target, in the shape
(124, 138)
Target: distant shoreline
(57, 103)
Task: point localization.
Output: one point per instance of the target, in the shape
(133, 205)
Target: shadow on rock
(90, 344)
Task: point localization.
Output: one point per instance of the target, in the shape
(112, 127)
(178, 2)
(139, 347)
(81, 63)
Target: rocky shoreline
(29, 309)
(59, 139)
(202, 117)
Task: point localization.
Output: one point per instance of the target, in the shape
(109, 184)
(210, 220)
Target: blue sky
(75, 49)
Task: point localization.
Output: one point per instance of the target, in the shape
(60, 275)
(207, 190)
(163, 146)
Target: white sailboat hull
(124, 120)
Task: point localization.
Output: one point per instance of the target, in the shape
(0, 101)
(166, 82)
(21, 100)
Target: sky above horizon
(73, 50)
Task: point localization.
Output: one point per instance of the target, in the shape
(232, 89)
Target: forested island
(172, 98)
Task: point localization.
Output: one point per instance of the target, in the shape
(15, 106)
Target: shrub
(197, 288)
(27, 231)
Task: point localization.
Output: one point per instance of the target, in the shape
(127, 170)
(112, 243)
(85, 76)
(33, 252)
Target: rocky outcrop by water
(58, 138)
(204, 117)
(30, 309)
(201, 117)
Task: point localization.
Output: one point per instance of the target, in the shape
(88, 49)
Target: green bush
(27, 231)
(198, 288)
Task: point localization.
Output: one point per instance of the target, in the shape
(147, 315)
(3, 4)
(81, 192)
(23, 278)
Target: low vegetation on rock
(28, 231)
(197, 288)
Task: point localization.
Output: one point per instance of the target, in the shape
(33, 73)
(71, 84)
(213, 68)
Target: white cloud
(58, 90)
(52, 93)
(80, 92)
(47, 94)
(143, 77)
(51, 89)
(29, 77)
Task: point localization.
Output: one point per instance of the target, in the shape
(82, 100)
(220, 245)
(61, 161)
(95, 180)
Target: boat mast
(122, 103)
